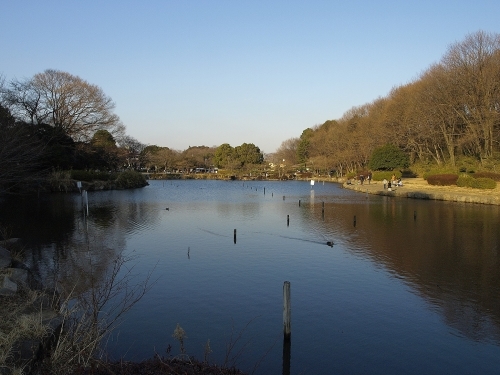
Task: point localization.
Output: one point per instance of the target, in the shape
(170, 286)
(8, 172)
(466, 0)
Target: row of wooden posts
(323, 213)
(322, 208)
(287, 307)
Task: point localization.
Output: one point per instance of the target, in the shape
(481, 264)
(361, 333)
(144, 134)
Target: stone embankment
(29, 320)
(418, 188)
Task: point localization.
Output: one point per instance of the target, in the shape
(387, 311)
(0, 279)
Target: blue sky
(191, 73)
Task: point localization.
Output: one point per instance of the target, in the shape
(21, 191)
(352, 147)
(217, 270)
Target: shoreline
(418, 188)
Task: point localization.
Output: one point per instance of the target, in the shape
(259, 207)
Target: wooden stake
(287, 309)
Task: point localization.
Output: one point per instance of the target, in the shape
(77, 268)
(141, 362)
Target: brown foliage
(492, 175)
(442, 179)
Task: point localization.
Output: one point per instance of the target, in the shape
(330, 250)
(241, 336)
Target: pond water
(409, 286)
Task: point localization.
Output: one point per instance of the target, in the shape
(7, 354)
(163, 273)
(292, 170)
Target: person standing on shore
(385, 183)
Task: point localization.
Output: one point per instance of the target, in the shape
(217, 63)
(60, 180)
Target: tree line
(57, 121)
(239, 158)
(450, 114)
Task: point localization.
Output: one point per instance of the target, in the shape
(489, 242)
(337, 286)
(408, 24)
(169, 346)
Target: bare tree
(24, 101)
(474, 67)
(164, 157)
(132, 149)
(65, 101)
(91, 315)
(288, 151)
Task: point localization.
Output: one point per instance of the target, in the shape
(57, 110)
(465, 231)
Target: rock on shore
(15, 280)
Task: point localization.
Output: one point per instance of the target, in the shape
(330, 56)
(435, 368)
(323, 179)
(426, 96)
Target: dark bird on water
(167, 209)
(330, 243)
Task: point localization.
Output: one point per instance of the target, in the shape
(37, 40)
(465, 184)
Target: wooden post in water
(287, 309)
(354, 220)
(299, 202)
(287, 220)
(283, 197)
(235, 236)
(414, 215)
(264, 191)
(287, 350)
(86, 201)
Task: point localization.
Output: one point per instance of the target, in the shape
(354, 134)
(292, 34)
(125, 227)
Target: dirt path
(418, 188)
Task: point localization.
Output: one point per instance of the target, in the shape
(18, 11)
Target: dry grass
(87, 318)
(19, 322)
(422, 185)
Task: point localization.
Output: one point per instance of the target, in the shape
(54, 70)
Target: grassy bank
(66, 181)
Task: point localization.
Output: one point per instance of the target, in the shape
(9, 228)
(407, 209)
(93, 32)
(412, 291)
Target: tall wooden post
(287, 349)
(287, 309)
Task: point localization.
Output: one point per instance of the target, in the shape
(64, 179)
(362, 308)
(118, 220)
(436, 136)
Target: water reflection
(380, 286)
(448, 253)
(38, 221)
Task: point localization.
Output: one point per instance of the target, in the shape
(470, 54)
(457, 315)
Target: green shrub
(380, 175)
(442, 179)
(477, 183)
(484, 183)
(130, 179)
(388, 157)
(465, 180)
(350, 175)
(408, 173)
(81, 175)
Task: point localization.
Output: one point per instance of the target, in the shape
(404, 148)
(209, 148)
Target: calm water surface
(409, 286)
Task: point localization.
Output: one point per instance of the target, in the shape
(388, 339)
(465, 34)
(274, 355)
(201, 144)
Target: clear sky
(190, 73)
